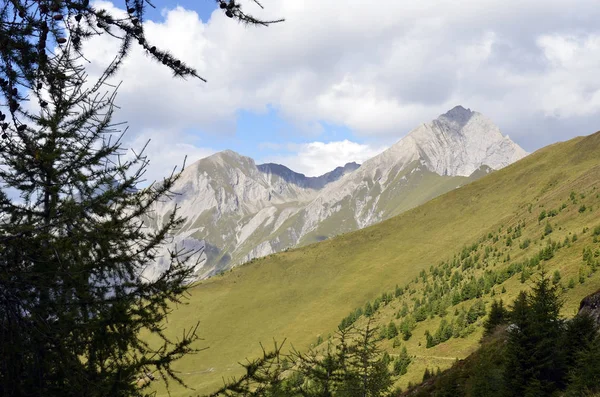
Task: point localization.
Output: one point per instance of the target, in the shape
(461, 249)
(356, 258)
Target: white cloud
(317, 158)
(377, 68)
(165, 149)
(573, 88)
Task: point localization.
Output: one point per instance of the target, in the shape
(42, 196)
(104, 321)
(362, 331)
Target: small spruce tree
(402, 362)
(392, 330)
(427, 374)
(498, 315)
(548, 228)
(556, 277)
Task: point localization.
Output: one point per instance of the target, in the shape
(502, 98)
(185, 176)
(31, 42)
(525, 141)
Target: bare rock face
(591, 305)
(239, 210)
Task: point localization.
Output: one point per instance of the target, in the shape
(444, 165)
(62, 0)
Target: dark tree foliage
(579, 334)
(391, 331)
(402, 362)
(73, 303)
(537, 354)
(369, 375)
(369, 311)
(351, 366)
(72, 251)
(583, 376)
(263, 377)
(498, 315)
(29, 28)
(534, 367)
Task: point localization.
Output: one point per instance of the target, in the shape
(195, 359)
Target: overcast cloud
(312, 158)
(378, 68)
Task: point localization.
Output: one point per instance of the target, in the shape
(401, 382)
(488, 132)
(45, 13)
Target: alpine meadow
(484, 241)
(196, 201)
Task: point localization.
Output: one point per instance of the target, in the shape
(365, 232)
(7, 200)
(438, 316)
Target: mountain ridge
(242, 210)
(311, 182)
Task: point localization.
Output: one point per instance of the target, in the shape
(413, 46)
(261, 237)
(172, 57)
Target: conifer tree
(355, 368)
(263, 377)
(584, 374)
(369, 309)
(370, 376)
(581, 344)
(402, 362)
(73, 250)
(498, 315)
(427, 374)
(323, 372)
(73, 303)
(517, 355)
(545, 303)
(556, 277)
(535, 366)
(391, 331)
(579, 333)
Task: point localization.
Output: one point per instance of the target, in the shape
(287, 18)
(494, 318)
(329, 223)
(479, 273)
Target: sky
(340, 81)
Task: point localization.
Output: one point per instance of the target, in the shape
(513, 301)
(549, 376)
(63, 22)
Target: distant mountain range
(310, 182)
(238, 210)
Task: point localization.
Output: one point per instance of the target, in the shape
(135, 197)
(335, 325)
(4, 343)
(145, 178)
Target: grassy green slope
(305, 292)
(420, 187)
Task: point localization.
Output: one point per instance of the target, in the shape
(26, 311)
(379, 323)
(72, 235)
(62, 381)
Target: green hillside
(305, 293)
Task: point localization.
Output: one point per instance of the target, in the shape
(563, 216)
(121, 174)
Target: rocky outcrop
(591, 305)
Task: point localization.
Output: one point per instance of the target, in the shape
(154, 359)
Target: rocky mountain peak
(458, 115)
(458, 142)
(310, 182)
(227, 156)
(240, 210)
(353, 165)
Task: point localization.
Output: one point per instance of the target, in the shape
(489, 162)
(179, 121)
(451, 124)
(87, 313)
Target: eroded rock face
(244, 210)
(591, 305)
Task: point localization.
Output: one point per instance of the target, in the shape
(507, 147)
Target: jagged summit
(227, 154)
(310, 182)
(223, 158)
(458, 115)
(222, 154)
(459, 142)
(458, 112)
